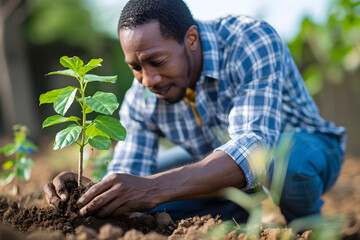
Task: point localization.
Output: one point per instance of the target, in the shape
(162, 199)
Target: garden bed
(27, 216)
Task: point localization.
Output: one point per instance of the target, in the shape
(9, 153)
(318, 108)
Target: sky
(284, 15)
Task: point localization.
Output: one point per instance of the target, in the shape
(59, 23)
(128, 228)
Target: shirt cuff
(240, 148)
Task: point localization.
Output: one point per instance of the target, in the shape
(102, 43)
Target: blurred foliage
(252, 203)
(323, 52)
(64, 21)
(99, 163)
(329, 51)
(327, 54)
(65, 27)
(19, 164)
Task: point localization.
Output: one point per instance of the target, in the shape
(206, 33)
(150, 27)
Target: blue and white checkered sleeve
(255, 118)
(137, 154)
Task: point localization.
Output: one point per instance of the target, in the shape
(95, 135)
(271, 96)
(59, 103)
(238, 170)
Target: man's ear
(192, 38)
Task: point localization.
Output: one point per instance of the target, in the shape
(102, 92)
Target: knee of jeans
(302, 176)
(303, 183)
(302, 189)
(312, 162)
(301, 196)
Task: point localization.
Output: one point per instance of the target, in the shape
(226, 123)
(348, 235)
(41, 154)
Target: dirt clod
(154, 236)
(41, 235)
(110, 232)
(163, 219)
(149, 221)
(133, 235)
(8, 233)
(84, 233)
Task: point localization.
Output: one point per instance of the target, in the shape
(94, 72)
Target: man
(220, 90)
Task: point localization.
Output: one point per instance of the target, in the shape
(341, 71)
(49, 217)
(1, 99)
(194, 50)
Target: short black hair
(173, 16)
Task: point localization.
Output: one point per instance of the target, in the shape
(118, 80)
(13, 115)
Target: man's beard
(179, 98)
(183, 89)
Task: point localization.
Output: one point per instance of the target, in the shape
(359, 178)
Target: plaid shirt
(249, 91)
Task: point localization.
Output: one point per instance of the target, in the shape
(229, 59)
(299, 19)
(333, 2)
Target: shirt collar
(210, 51)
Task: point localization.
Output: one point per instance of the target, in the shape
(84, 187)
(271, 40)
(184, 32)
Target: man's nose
(150, 79)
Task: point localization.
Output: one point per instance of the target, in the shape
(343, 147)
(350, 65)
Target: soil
(65, 220)
(27, 216)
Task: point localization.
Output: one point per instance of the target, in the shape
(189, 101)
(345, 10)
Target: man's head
(173, 16)
(161, 44)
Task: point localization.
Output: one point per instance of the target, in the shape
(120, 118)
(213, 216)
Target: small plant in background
(97, 132)
(19, 166)
(99, 163)
(253, 203)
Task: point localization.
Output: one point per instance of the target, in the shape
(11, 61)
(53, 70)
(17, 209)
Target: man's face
(162, 65)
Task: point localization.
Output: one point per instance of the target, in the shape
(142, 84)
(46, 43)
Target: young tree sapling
(98, 132)
(19, 166)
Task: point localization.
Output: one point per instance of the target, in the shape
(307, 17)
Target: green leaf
(51, 96)
(110, 126)
(94, 63)
(19, 138)
(64, 100)
(27, 174)
(83, 70)
(24, 166)
(19, 173)
(92, 131)
(8, 164)
(10, 149)
(67, 72)
(96, 78)
(74, 63)
(281, 155)
(67, 136)
(56, 119)
(100, 142)
(7, 177)
(25, 162)
(105, 103)
(30, 145)
(88, 110)
(242, 199)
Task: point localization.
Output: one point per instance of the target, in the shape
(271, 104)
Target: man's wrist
(162, 188)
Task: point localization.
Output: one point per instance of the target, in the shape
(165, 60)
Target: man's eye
(136, 68)
(157, 63)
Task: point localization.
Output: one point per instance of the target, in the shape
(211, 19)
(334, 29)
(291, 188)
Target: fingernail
(82, 212)
(63, 197)
(79, 201)
(54, 201)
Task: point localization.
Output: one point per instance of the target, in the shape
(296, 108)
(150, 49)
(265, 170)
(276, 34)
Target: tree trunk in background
(18, 103)
(7, 105)
(341, 104)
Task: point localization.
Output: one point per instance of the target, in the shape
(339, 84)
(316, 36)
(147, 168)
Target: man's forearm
(198, 180)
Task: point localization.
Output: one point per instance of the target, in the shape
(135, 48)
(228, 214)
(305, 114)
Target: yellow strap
(190, 99)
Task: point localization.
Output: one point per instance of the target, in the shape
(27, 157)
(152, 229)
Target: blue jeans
(314, 165)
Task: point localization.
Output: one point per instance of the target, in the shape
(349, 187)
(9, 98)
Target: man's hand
(56, 191)
(117, 194)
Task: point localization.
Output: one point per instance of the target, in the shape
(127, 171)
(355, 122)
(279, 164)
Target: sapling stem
(82, 145)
